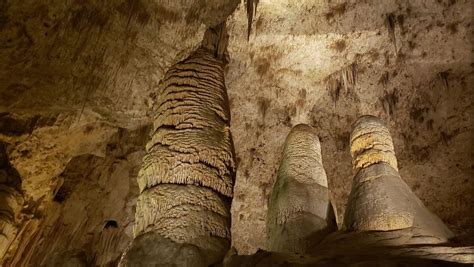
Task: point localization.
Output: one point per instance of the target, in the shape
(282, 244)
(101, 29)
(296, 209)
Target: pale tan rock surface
(300, 213)
(72, 74)
(186, 179)
(325, 63)
(380, 200)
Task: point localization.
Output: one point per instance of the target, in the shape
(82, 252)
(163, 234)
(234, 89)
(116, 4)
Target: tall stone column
(380, 200)
(299, 211)
(186, 180)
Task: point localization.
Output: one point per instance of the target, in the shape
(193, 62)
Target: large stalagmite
(186, 180)
(385, 222)
(299, 211)
(380, 200)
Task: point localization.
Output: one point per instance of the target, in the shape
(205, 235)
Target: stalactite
(345, 78)
(251, 7)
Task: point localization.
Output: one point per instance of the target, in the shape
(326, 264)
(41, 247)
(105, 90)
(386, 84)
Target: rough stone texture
(325, 63)
(88, 216)
(380, 200)
(371, 143)
(106, 56)
(318, 62)
(191, 143)
(11, 201)
(300, 213)
(384, 223)
(72, 76)
(144, 253)
(377, 248)
(42, 147)
(187, 176)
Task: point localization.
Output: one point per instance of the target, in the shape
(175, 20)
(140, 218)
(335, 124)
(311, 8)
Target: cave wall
(106, 56)
(75, 75)
(85, 209)
(325, 63)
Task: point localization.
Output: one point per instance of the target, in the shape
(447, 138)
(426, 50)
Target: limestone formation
(385, 223)
(371, 143)
(76, 74)
(186, 180)
(299, 211)
(380, 200)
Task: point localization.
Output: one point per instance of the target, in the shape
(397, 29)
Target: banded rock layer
(186, 180)
(380, 200)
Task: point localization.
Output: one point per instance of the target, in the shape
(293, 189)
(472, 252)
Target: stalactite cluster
(74, 73)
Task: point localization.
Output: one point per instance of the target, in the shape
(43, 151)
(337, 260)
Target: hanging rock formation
(71, 75)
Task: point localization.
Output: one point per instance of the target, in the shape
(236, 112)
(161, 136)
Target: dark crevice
(215, 71)
(12, 177)
(200, 79)
(226, 199)
(110, 224)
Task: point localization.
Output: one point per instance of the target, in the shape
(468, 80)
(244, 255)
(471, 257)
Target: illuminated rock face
(186, 180)
(380, 200)
(299, 211)
(384, 223)
(324, 64)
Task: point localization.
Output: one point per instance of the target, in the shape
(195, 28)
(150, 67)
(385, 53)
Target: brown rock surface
(325, 63)
(75, 75)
